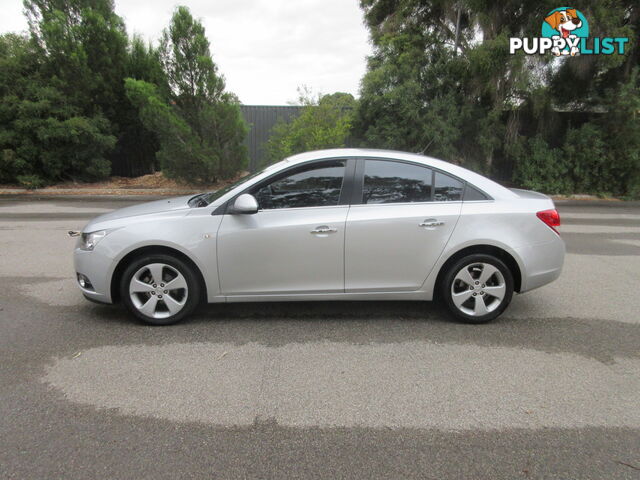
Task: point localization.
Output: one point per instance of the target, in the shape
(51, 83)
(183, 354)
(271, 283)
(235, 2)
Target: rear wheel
(477, 288)
(160, 289)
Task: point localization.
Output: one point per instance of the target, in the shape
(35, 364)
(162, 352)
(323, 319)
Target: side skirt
(417, 295)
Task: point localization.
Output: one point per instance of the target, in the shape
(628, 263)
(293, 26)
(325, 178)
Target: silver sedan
(345, 224)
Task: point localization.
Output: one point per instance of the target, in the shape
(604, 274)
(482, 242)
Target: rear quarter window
(473, 194)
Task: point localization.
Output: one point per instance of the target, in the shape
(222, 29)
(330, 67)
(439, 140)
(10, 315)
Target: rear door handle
(431, 222)
(324, 229)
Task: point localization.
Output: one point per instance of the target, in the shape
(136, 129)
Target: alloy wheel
(158, 290)
(478, 289)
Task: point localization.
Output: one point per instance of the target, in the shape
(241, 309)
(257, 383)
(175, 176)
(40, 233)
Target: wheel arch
(116, 277)
(496, 251)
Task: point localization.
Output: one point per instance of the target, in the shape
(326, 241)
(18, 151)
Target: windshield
(206, 198)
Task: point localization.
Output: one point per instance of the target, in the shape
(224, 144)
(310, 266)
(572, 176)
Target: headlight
(88, 241)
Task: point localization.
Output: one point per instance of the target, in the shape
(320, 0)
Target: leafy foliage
(325, 122)
(84, 47)
(63, 98)
(441, 81)
(31, 182)
(137, 145)
(540, 167)
(200, 128)
(67, 115)
(601, 156)
(45, 137)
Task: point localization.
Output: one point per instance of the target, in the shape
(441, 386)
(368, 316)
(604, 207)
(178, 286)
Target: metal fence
(260, 120)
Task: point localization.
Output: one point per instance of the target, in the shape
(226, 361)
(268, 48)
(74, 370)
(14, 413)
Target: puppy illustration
(565, 22)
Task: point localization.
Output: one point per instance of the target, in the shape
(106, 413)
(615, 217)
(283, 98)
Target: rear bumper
(542, 263)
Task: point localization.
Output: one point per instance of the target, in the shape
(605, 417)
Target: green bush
(585, 152)
(540, 167)
(31, 182)
(621, 130)
(11, 166)
(325, 123)
(585, 163)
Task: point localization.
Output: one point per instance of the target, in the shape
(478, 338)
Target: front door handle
(431, 222)
(324, 229)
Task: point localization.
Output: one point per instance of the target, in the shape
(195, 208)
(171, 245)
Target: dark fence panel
(260, 120)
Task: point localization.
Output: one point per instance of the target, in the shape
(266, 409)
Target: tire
(482, 295)
(151, 299)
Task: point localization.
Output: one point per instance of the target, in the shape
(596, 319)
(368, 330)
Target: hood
(148, 208)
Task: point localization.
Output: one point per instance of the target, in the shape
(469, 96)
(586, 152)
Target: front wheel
(160, 289)
(477, 288)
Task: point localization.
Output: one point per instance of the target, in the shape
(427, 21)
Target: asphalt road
(319, 390)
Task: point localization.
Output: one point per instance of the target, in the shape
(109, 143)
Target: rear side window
(395, 182)
(447, 189)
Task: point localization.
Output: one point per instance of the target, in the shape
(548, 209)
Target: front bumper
(95, 266)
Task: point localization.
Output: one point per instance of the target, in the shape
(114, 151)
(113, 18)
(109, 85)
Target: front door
(294, 244)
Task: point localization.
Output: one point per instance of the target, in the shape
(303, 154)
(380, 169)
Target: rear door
(400, 220)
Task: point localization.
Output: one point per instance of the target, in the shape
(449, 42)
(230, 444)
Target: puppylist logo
(565, 31)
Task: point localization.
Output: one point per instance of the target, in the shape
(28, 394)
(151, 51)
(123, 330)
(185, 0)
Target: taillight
(551, 218)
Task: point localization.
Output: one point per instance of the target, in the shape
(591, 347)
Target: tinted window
(448, 189)
(315, 186)
(395, 182)
(211, 196)
(471, 193)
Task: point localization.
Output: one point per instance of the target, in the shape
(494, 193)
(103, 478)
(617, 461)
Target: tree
(85, 45)
(87, 55)
(137, 145)
(430, 76)
(325, 122)
(441, 81)
(45, 137)
(200, 127)
(182, 154)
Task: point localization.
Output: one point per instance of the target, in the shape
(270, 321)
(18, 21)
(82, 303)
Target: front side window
(318, 185)
(395, 182)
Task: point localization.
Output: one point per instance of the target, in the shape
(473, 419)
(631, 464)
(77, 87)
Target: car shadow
(308, 310)
(324, 310)
(281, 323)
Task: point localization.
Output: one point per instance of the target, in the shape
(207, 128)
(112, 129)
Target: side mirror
(245, 204)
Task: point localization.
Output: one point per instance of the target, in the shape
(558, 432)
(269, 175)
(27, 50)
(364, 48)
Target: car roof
(489, 186)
